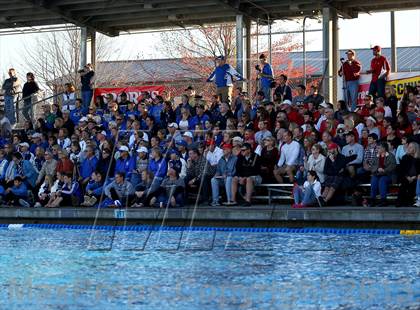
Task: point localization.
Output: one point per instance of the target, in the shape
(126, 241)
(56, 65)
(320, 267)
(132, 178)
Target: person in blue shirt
(200, 118)
(158, 167)
(156, 108)
(93, 189)
(184, 104)
(17, 194)
(131, 110)
(124, 163)
(88, 165)
(25, 170)
(265, 76)
(78, 112)
(223, 76)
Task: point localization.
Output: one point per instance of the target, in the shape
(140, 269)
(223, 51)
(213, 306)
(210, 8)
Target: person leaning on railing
(12, 89)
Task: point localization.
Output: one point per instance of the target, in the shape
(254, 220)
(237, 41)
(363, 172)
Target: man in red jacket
(379, 67)
(350, 70)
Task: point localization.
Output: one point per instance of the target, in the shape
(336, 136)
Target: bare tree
(55, 59)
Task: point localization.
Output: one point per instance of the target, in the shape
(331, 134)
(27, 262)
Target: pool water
(83, 269)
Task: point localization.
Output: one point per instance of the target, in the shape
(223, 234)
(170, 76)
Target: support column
(394, 60)
(248, 52)
(240, 44)
(83, 46)
(330, 53)
(92, 36)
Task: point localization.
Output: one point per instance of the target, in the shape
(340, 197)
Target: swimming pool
(84, 269)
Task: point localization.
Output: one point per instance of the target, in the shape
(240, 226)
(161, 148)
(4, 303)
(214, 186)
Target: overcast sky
(365, 31)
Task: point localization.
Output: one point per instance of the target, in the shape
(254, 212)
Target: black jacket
(337, 167)
(248, 167)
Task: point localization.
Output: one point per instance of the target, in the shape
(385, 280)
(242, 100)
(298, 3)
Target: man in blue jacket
(17, 194)
(223, 76)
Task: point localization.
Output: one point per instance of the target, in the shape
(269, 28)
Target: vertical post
(83, 46)
(240, 44)
(394, 60)
(335, 55)
(248, 52)
(304, 49)
(330, 52)
(270, 56)
(92, 35)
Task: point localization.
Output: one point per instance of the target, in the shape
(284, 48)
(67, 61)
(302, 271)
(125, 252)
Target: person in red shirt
(292, 115)
(380, 69)
(350, 71)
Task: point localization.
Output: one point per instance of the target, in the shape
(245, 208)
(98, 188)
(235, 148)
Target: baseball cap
(24, 144)
(372, 119)
(176, 165)
(103, 132)
(227, 146)
(332, 146)
(36, 135)
(351, 52)
(324, 105)
(182, 143)
(142, 149)
(123, 149)
(287, 102)
(188, 134)
(173, 125)
(376, 48)
(237, 139)
(83, 119)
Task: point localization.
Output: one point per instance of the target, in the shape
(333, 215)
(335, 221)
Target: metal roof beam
(247, 9)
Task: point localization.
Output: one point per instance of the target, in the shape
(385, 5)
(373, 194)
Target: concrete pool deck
(255, 216)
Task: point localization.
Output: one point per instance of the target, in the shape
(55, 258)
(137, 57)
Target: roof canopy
(112, 16)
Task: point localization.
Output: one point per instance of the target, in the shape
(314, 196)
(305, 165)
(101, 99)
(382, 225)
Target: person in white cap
(173, 133)
(142, 162)
(124, 162)
(24, 150)
(371, 126)
(188, 137)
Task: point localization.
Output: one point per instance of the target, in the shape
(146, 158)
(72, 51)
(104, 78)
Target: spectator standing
(29, 88)
(86, 78)
(350, 71)
(69, 97)
(266, 76)
(223, 76)
(283, 91)
(12, 89)
(380, 69)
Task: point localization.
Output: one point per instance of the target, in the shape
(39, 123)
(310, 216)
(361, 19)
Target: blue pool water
(81, 269)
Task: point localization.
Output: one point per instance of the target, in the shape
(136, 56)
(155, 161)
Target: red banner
(133, 92)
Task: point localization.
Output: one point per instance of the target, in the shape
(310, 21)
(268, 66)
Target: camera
(257, 67)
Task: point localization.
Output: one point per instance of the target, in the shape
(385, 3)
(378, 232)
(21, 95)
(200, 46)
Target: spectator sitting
(172, 187)
(88, 165)
(409, 170)
(69, 194)
(44, 193)
(64, 164)
(17, 194)
(248, 167)
(371, 126)
(383, 165)
(289, 158)
(197, 174)
(24, 169)
(314, 97)
(333, 170)
(353, 148)
(262, 133)
(93, 190)
(119, 192)
(224, 175)
(316, 162)
(269, 158)
(308, 194)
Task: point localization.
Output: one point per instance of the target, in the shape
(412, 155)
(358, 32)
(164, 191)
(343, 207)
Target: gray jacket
(47, 169)
(123, 190)
(389, 165)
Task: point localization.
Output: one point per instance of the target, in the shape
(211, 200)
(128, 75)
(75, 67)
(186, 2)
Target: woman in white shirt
(184, 122)
(307, 195)
(316, 162)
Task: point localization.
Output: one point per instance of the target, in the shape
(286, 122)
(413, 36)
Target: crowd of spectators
(114, 152)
